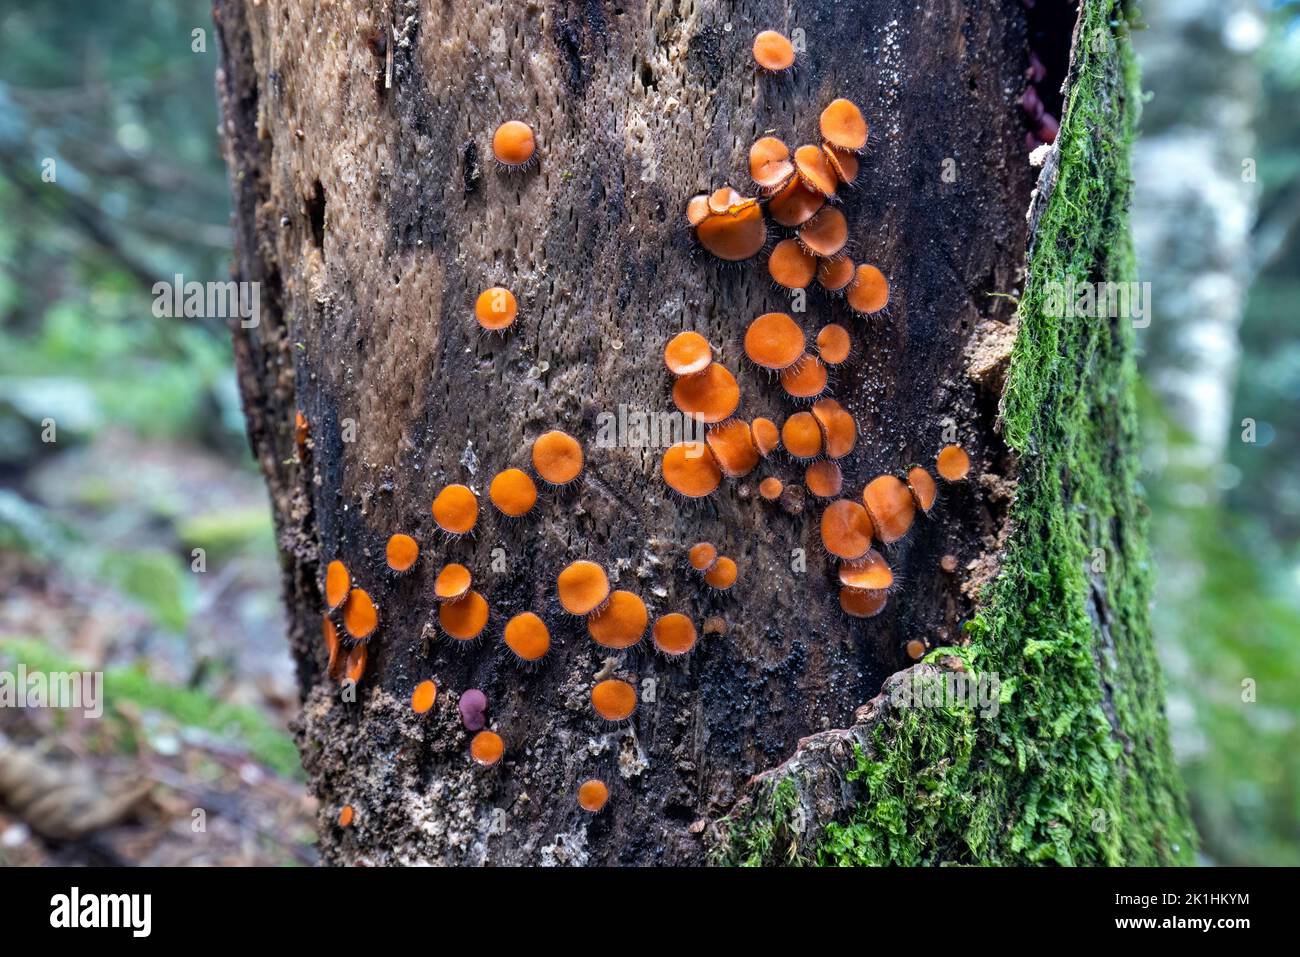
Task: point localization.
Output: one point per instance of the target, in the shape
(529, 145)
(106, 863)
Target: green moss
(1076, 767)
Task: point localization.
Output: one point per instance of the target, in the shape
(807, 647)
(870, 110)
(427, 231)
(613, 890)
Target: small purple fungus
(473, 705)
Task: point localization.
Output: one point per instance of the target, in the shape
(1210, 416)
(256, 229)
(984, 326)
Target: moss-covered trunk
(367, 206)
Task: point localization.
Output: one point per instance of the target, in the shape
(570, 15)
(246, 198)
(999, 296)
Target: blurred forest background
(97, 528)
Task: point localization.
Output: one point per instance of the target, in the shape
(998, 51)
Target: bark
(357, 135)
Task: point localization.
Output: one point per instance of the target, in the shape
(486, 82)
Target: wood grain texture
(373, 215)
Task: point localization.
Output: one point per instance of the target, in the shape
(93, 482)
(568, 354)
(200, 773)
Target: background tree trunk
(367, 205)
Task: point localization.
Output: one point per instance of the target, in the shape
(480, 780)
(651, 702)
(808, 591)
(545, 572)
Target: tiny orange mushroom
(806, 379)
(825, 234)
(514, 144)
(621, 623)
(711, 395)
(869, 573)
(690, 469)
(736, 233)
(401, 553)
(527, 636)
(774, 341)
(767, 437)
(794, 204)
(769, 163)
(953, 463)
(702, 556)
(843, 127)
(834, 344)
(824, 478)
(513, 492)
(869, 291)
(773, 51)
(771, 488)
(496, 309)
(723, 574)
(844, 164)
(835, 274)
(452, 583)
(862, 604)
(583, 587)
(557, 457)
(356, 666)
(891, 507)
(613, 699)
(346, 815)
(790, 265)
(815, 172)
(360, 615)
(456, 510)
(334, 664)
(846, 529)
(915, 649)
(697, 209)
(839, 428)
(486, 748)
(687, 353)
(465, 618)
(338, 582)
(592, 796)
(732, 445)
(674, 634)
(423, 697)
(923, 488)
(802, 436)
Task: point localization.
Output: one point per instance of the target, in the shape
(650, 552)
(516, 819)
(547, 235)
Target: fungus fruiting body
(690, 470)
(360, 615)
(472, 705)
(452, 583)
(723, 574)
(346, 814)
(923, 488)
(863, 604)
(824, 478)
(301, 430)
(794, 204)
(687, 353)
(773, 52)
(621, 623)
(806, 379)
(790, 265)
(771, 488)
(583, 587)
(456, 510)
(697, 209)
(613, 699)
(815, 172)
(846, 529)
(869, 291)
(915, 649)
(869, 573)
(774, 341)
(423, 697)
(839, 428)
(769, 163)
(844, 164)
(948, 563)
(557, 457)
(825, 234)
(674, 634)
(702, 555)
(834, 344)
(952, 463)
(334, 664)
(736, 233)
(715, 625)
(767, 437)
(465, 618)
(356, 667)
(711, 395)
(843, 126)
(835, 274)
(338, 582)
(513, 492)
(527, 636)
(802, 436)
(891, 507)
(514, 145)
(592, 796)
(401, 553)
(496, 309)
(732, 445)
(486, 748)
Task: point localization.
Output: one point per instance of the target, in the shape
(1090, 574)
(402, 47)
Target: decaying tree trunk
(368, 206)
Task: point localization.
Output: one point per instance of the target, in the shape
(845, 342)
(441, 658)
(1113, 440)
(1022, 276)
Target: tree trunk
(368, 206)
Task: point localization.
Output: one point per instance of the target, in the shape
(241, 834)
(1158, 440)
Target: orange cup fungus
(401, 553)
(835, 274)
(527, 636)
(456, 510)
(815, 172)
(702, 556)
(711, 395)
(360, 615)
(356, 667)
(923, 488)
(846, 529)
(834, 344)
(767, 437)
(794, 204)
(843, 127)
(869, 573)
(687, 353)
(733, 234)
(723, 574)
(496, 309)
(824, 478)
(423, 697)
(334, 664)
(338, 582)
(802, 436)
(773, 52)
(948, 563)
(465, 618)
(674, 634)
(513, 492)
(825, 234)
(844, 164)
(891, 507)
(513, 144)
(915, 649)
(690, 470)
(790, 266)
(839, 428)
(486, 748)
(771, 488)
(301, 429)
(346, 815)
(697, 209)
(806, 379)
(862, 604)
(952, 463)
(869, 291)
(613, 699)
(774, 341)
(732, 445)
(452, 583)
(621, 623)
(592, 796)
(769, 163)
(557, 457)
(583, 587)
